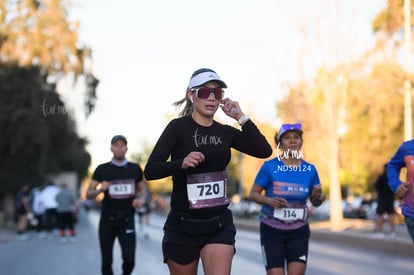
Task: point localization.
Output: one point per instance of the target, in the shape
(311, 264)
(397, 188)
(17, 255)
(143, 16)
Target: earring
(191, 99)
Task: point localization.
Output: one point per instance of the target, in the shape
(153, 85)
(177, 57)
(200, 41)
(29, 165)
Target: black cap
(118, 137)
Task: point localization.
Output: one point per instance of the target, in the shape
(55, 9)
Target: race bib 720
(207, 189)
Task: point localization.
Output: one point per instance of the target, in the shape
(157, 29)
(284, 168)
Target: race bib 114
(290, 214)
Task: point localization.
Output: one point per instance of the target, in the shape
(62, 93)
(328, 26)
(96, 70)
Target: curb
(395, 247)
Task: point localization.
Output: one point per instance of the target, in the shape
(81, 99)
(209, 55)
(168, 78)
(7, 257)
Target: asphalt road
(327, 256)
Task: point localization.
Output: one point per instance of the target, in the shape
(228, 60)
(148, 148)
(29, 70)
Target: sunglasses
(204, 92)
(290, 127)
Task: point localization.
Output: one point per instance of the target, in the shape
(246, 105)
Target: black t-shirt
(123, 187)
(20, 197)
(383, 190)
(182, 136)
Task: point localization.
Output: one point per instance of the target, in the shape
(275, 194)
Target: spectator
(144, 214)
(49, 202)
(385, 206)
(22, 209)
(38, 210)
(66, 200)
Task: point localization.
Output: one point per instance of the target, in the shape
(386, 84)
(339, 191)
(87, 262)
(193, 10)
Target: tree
(374, 124)
(40, 33)
(39, 45)
(38, 136)
(351, 108)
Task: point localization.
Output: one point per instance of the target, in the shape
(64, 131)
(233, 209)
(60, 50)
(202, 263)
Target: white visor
(205, 77)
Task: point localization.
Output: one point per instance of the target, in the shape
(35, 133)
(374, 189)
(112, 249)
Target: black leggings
(127, 240)
(50, 219)
(65, 220)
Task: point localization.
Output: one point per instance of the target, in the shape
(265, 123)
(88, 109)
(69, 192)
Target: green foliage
(41, 33)
(38, 136)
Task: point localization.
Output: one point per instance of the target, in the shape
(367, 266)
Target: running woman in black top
(120, 181)
(195, 150)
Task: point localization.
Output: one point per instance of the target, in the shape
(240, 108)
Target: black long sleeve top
(182, 136)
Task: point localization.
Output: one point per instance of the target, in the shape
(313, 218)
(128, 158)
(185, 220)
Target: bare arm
(317, 196)
(402, 190)
(257, 196)
(92, 191)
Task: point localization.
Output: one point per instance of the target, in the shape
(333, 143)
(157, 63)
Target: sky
(144, 53)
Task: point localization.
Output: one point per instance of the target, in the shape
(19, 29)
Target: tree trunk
(8, 217)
